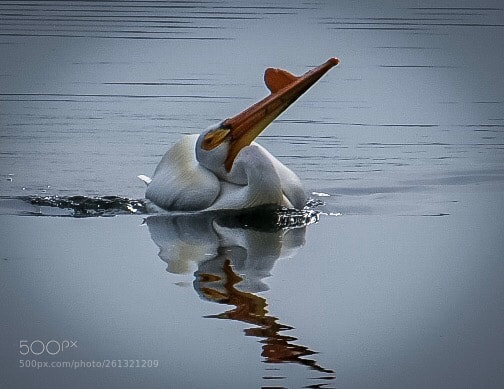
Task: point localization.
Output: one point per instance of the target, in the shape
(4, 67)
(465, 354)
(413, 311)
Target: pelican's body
(223, 168)
(180, 182)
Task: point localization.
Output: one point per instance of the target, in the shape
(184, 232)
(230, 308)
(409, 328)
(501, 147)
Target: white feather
(145, 179)
(181, 182)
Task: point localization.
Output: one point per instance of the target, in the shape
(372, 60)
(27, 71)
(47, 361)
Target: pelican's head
(212, 148)
(218, 146)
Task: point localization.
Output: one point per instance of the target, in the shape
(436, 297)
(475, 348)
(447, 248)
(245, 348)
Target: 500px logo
(51, 347)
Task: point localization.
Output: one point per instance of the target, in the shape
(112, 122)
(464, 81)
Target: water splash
(83, 206)
(262, 218)
(268, 218)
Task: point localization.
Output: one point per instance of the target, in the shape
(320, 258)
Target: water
(397, 281)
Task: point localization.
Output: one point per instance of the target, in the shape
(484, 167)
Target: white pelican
(223, 168)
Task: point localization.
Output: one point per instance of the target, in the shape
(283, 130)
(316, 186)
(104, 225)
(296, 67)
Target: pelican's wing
(180, 182)
(292, 187)
(263, 185)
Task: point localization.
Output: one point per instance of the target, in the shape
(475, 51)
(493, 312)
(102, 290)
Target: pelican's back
(180, 182)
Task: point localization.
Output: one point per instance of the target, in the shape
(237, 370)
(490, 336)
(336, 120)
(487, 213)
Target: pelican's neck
(254, 169)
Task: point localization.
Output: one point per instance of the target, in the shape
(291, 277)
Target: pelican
(223, 168)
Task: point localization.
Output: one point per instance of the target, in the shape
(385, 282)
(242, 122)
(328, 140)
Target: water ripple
(130, 19)
(262, 218)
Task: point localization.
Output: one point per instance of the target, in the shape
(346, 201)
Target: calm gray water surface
(404, 140)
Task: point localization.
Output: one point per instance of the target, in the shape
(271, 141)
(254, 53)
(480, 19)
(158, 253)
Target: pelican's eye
(214, 138)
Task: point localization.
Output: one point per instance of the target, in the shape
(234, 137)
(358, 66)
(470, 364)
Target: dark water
(394, 281)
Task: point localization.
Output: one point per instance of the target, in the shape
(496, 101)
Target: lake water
(396, 282)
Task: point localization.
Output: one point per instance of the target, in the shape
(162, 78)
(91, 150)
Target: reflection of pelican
(197, 238)
(232, 261)
(223, 168)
